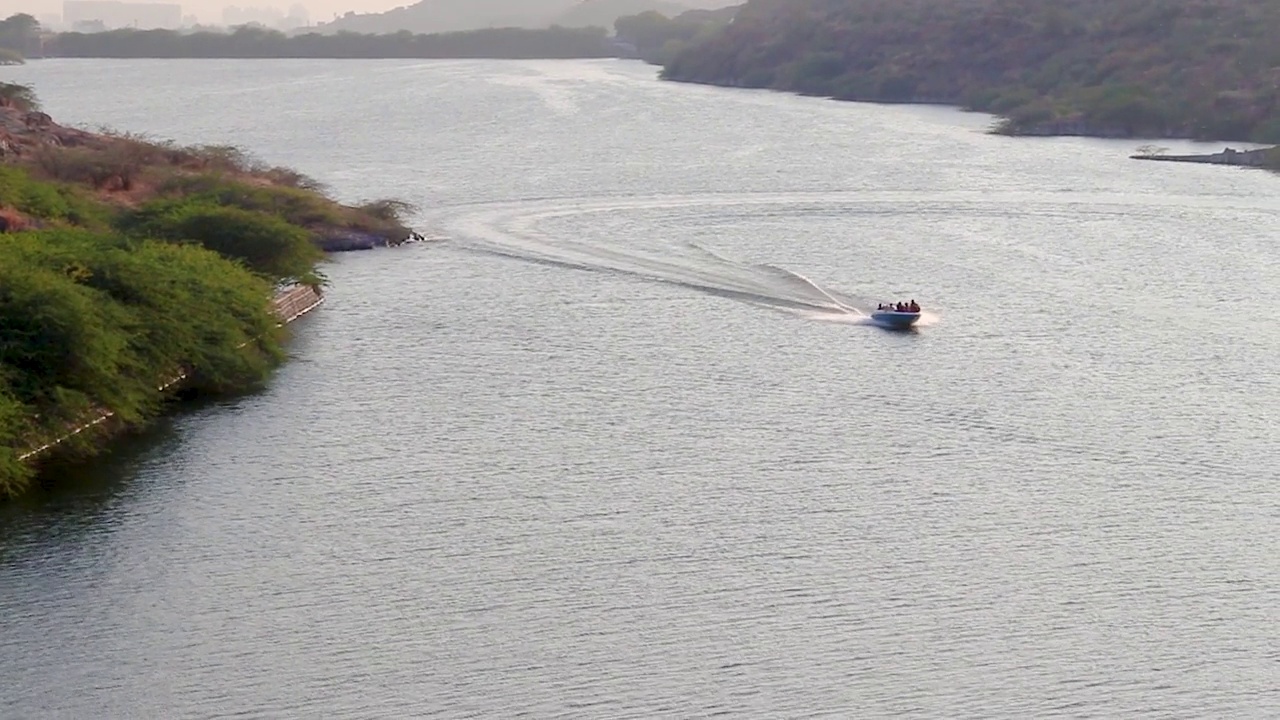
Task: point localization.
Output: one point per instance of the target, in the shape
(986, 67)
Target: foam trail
(838, 301)
(686, 265)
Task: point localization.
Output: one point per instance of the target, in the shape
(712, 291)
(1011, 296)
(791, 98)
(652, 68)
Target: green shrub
(20, 96)
(296, 205)
(264, 243)
(91, 321)
(14, 419)
(65, 344)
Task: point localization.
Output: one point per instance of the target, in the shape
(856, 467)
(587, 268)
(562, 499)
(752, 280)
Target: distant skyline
(210, 11)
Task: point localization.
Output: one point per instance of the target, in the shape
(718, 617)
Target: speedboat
(895, 319)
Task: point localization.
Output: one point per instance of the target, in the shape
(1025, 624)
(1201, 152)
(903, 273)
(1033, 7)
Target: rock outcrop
(1265, 157)
(23, 132)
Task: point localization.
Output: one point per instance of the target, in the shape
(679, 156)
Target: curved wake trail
(512, 234)
(790, 279)
(762, 285)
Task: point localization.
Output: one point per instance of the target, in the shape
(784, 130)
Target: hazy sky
(211, 10)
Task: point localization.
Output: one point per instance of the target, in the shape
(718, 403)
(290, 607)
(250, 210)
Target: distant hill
(658, 38)
(1167, 68)
(435, 16)
(603, 13)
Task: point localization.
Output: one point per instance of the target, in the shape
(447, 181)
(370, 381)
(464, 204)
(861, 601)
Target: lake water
(623, 445)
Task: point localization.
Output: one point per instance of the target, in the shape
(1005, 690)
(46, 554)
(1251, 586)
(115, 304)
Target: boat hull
(895, 320)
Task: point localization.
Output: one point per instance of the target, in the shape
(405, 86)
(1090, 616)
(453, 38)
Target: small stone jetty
(1265, 157)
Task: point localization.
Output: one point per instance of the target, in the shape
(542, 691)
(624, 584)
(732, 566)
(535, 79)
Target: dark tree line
(1194, 68)
(256, 42)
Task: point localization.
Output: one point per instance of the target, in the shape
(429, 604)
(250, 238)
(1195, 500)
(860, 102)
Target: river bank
(489, 486)
(1114, 69)
(288, 305)
(133, 268)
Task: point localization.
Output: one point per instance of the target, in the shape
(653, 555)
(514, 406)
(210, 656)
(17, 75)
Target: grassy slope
(124, 262)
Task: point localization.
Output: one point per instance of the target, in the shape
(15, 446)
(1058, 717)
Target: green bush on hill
(50, 201)
(267, 244)
(296, 205)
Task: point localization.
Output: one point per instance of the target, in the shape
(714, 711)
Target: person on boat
(915, 307)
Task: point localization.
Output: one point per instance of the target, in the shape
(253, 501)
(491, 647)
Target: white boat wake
(511, 231)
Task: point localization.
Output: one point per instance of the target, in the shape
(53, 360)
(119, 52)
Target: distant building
(88, 26)
(116, 14)
(297, 17)
(234, 16)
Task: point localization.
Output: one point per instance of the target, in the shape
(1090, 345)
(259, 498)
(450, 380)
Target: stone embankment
(1266, 157)
(289, 304)
(294, 301)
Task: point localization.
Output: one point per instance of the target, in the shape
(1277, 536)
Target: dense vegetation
(659, 39)
(125, 263)
(256, 42)
(1165, 68)
(603, 13)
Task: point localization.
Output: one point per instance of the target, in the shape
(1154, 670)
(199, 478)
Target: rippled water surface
(624, 444)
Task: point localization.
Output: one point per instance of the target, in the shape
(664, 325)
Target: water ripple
(488, 487)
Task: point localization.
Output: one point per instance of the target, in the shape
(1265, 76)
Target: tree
(21, 33)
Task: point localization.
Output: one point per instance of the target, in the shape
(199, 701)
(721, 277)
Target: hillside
(1207, 69)
(435, 16)
(658, 38)
(126, 263)
(603, 13)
